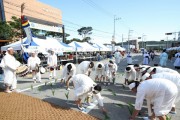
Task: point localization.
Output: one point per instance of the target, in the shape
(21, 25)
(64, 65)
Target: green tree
(6, 32)
(16, 27)
(85, 31)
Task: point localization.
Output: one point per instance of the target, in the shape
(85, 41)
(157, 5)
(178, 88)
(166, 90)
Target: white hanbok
(32, 63)
(83, 67)
(161, 69)
(66, 74)
(110, 70)
(132, 74)
(100, 71)
(160, 92)
(83, 88)
(175, 78)
(10, 65)
(52, 62)
(177, 61)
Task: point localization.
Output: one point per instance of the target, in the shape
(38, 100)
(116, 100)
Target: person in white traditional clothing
(177, 61)
(100, 71)
(85, 67)
(68, 71)
(154, 70)
(52, 64)
(9, 65)
(110, 72)
(175, 78)
(85, 87)
(33, 64)
(117, 56)
(163, 58)
(160, 92)
(129, 58)
(132, 72)
(146, 58)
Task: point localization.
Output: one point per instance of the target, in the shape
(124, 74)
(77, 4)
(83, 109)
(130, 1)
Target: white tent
(88, 47)
(77, 46)
(44, 45)
(102, 47)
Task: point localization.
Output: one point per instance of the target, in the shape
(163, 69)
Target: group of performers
(158, 85)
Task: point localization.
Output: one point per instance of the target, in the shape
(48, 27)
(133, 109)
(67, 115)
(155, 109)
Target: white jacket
(82, 87)
(32, 61)
(173, 77)
(162, 94)
(52, 60)
(66, 74)
(83, 67)
(10, 66)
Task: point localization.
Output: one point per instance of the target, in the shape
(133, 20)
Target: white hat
(10, 48)
(132, 85)
(146, 75)
(150, 69)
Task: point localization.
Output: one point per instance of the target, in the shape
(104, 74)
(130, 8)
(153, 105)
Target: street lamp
(113, 37)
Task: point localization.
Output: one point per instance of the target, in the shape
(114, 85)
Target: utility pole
(129, 34)
(122, 40)
(114, 33)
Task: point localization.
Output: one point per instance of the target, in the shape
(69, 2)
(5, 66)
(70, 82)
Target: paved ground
(53, 92)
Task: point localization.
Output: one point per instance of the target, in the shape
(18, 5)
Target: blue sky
(153, 18)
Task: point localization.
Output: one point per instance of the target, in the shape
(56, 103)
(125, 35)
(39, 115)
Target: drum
(42, 70)
(22, 71)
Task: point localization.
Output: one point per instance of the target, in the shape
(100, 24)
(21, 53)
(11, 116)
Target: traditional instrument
(42, 70)
(22, 71)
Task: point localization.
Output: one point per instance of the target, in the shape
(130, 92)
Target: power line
(97, 7)
(26, 12)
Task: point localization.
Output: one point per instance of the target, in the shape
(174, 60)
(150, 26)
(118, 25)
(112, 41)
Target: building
(40, 15)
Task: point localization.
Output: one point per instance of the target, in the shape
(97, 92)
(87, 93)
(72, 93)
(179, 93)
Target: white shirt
(32, 61)
(132, 74)
(151, 89)
(83, 85)
(100, 70)
(83, 67)
(66, 73)
(52, 60)
(10, 66)
(161, 69)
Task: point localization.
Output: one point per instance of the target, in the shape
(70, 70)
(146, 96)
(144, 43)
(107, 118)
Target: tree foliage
(6, 32)
(16, 27)
(85, 31)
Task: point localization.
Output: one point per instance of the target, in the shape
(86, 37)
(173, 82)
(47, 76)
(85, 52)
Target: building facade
(41, 16)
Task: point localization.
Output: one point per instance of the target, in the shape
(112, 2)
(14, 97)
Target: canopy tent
(77, 46)
(66, 48)
(88, 47)
(44, 45)
(101, 47)
(119, 48)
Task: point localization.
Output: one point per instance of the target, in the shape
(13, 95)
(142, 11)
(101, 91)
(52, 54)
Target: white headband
(10, 48)
(150, 70)
(146, 75)
(131, 86)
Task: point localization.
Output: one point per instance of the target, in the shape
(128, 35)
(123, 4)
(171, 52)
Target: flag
(26, 27)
